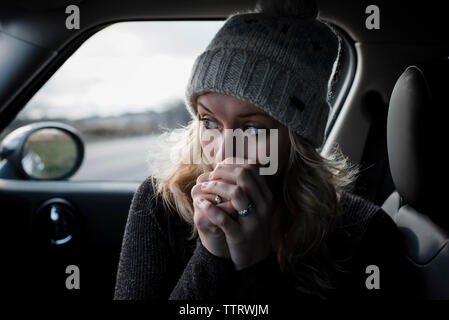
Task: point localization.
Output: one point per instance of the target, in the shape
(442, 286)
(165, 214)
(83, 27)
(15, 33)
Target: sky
(126, 67)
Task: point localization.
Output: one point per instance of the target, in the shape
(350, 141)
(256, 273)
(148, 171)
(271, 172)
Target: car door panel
(101, 210)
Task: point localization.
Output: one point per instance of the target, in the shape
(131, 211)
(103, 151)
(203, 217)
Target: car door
(39, 269)
(62, 237)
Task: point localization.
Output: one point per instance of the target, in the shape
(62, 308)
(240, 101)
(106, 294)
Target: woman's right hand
(211, 236)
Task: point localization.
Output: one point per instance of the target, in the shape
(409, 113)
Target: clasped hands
(246, 240)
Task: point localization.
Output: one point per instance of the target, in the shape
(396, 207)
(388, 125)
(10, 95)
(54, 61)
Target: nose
(224, 146)
(228, 143)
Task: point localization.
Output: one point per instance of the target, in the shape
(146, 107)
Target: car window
(120, 90)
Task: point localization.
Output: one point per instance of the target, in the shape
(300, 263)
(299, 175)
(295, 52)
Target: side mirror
(41, 151)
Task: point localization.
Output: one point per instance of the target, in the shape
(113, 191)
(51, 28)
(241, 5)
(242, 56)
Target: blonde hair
(310, 183)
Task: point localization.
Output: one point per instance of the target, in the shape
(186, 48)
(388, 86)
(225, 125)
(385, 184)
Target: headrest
(417, 137)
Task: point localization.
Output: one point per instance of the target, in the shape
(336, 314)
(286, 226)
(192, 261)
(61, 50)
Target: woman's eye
(252, 130)
(208, 123)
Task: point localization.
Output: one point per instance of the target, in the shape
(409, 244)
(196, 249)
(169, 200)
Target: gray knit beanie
(281, 60)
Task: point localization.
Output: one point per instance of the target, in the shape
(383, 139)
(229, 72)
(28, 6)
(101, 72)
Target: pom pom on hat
(301, 9)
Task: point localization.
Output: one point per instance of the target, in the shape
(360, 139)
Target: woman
(209, 226)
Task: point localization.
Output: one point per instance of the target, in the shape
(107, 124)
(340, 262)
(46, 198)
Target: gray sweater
(157, 262)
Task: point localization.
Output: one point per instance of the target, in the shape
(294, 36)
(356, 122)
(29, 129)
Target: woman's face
(218, 112)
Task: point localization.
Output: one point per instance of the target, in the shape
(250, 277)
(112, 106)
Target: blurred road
(121, 159)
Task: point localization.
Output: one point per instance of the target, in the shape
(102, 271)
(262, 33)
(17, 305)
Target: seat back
(417, 136)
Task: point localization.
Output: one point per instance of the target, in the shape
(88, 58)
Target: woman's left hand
(249, 238)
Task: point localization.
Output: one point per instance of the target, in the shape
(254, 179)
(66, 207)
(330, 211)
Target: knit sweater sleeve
(144, 258)
(205, 277)
(210, 277)
(264, 281)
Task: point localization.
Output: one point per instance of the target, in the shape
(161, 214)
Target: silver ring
(218, 199)
(245, 212)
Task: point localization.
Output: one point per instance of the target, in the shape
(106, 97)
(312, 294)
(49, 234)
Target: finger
(225, 205)
(196, 191)
(230, 227)
(233, 162)
(203, 177)
(228, 208)
(210, 177)
(202, 221)
(246, 182)
(232, 178)
(255, 169)
(233, 192)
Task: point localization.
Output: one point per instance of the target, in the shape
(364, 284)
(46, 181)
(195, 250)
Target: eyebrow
(243, 115)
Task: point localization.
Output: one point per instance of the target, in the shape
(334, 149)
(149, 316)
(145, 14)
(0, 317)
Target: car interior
(414, 131)
(389, 117)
